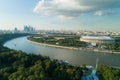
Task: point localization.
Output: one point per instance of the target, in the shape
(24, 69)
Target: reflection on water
(72, 56)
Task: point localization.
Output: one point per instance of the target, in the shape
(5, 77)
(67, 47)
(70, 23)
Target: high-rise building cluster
(29, 29)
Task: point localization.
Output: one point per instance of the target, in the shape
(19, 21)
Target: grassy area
(68, 42)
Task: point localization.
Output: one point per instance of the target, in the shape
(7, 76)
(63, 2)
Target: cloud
(101, 13)
(74, 8)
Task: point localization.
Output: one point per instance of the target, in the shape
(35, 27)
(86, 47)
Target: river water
(74, 57)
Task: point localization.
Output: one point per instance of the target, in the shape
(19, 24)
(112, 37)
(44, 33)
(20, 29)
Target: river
(74, 57)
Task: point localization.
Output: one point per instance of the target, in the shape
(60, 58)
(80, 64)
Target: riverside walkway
(92, 76)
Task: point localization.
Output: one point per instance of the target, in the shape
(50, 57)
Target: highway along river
(74, 57)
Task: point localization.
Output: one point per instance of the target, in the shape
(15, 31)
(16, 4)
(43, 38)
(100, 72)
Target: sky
(60, 14)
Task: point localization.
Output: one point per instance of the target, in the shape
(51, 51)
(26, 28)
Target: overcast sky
(61, 14)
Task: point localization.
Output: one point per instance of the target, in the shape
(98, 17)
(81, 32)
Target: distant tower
(25, 28)
(15, 30)
(29, 29)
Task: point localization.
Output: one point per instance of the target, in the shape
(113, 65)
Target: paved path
(92, 76)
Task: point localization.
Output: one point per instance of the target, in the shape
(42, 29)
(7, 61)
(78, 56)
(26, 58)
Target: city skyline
(54, 14)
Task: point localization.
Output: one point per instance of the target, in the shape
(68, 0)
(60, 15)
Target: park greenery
(18, 65)
(113, 46)
(73, 41)
(108, 73)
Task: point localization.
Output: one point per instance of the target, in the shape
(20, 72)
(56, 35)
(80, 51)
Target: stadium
(97, 39)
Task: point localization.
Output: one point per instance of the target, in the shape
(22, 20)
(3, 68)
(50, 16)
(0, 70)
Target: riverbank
(55, 46)
(72, 48)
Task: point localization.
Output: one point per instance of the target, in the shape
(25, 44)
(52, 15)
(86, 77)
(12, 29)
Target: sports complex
(97, 39)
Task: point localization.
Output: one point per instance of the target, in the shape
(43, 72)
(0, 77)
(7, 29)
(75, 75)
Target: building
(59, 38)
(16, 30)
(29, 29)
(97, 39)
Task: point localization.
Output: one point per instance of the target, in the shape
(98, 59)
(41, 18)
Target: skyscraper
(29, 29)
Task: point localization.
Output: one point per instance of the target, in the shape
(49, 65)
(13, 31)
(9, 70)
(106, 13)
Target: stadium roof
(97, 37)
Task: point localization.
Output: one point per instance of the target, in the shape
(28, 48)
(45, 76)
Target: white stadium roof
(97, 37)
